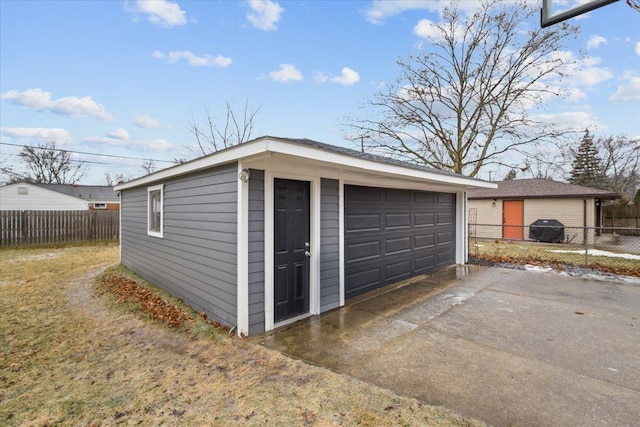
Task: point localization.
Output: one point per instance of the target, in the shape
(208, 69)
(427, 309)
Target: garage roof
(539, 188)
(314, 151)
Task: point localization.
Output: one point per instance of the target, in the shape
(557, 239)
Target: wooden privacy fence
(21, 228)
(624, 216)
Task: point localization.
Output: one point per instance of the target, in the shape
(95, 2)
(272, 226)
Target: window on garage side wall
(155, 198)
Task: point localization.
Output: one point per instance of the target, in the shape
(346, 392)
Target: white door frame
(269, 258)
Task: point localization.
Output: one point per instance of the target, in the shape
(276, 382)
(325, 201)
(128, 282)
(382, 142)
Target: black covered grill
(547, 230)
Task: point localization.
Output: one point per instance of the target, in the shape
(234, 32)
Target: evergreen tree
(511, 175)
(587, 167)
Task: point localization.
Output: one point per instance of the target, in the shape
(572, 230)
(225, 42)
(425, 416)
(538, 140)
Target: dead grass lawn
(530, 252)
(73, 357)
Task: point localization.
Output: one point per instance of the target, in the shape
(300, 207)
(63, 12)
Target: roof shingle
(539, 188)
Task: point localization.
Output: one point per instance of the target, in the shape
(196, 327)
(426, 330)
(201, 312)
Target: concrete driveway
(508, 347)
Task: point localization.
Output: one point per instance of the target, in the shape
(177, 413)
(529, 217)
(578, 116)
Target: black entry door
(291, 241)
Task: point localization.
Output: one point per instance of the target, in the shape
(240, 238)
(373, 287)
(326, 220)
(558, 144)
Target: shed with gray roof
(277, 229)
(507, 211)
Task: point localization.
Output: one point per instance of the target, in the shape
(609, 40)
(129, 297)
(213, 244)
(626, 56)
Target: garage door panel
(446, 237)
(445, 198)
(397, 220)
(425, 241)
(396, 195)
(413, 231)
(444, 258)
(364, 280)
(363, 222)
(402, 244)
(445, 218)
(362, 194)
(423, 264)
(424, 219)
(398, 271)
(424, 197)
(362, 251)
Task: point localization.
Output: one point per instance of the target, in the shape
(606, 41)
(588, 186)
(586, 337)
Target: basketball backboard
(548, 18)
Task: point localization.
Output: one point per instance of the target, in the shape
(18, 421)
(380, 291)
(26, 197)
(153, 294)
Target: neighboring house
(57, 197)
(516, 204)
(275, 229)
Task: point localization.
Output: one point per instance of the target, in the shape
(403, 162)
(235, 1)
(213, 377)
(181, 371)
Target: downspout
(584, 232)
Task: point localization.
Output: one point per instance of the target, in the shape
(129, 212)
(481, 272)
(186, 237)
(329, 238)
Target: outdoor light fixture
(244, 175)
(494, 203)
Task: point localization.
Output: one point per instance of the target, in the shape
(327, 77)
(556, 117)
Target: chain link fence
(613, 250)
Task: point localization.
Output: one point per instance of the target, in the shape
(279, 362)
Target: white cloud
(48, 134)
(429, 30)
(158, 145)
(119, 133)
(147, 122)
(320, 77)
(193, 60)
(161, 12)
(379, 10)
(264, 14)
(592, 76)
(382, 9)
(287, 72)
(628, 92)
(638, 48)
(595, 42)
(577, 120)
(38, 99)
(347, 78)
(583, 72)
(153, 145)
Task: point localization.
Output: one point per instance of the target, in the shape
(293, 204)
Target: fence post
(586, 247)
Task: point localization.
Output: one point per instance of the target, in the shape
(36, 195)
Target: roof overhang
(310, 154)
(606, 196)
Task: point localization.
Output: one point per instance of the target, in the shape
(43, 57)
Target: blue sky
(126, 78)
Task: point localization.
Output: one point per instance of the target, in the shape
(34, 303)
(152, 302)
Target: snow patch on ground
(538, 268)
(597, 252)
(585, 273)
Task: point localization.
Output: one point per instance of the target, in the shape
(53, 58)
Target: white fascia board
(379, 168)
(319, 155)
(229, 155)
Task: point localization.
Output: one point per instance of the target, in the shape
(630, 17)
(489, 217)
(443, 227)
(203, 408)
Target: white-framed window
(99, 206)
(155, 211)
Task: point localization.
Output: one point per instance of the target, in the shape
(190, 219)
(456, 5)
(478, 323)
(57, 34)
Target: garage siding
(196, 259)
(394, 234)
(256, 252)
(329, 245)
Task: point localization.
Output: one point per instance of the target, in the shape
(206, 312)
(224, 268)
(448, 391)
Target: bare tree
(620, 156)
(114, 179)
(463, 102)
(51, 165)
(234, 129)
(149, 166)
(9, 175)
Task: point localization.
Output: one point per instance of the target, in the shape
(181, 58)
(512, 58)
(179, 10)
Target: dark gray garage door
(393, 234)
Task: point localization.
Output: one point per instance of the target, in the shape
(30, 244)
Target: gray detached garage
(276, 229)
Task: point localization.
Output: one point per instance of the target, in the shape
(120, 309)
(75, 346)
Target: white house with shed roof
(57, 197)
(276, 229)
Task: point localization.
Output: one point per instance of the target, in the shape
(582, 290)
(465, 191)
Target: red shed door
(513, 219)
